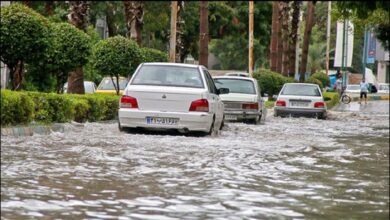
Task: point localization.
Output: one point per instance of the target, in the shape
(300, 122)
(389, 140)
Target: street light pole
(172, 44)
(250, 54)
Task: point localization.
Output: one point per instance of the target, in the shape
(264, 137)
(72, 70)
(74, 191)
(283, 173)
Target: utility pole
(343, 57)
(172, 45)
(365, 53)
(204, 34)
(250, 54)
(328, 38)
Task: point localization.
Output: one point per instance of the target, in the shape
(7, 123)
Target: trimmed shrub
(323, 78)
(333, 99)
(153, 55)
(24, 107)
(271, 82)
(314, 81)
(116, 56)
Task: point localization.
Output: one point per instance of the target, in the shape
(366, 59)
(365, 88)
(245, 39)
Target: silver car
(300, 99)
(172, 96)
(244, 101)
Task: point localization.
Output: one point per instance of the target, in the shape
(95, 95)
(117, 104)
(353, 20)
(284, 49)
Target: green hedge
(25, 107)
(331, 99)
(271, 82)
(323, 78)
(314, 81)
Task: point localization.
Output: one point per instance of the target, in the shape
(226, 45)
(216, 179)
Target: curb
(32, 129)
(373, 98)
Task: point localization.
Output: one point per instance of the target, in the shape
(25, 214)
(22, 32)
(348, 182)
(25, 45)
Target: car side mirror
(223, 91)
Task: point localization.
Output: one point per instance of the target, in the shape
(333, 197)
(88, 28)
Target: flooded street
(286, 168)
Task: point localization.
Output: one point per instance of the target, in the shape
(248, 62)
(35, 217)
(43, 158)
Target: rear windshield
(176, 76)
(107, 84)
(236, 85)
(302, 90)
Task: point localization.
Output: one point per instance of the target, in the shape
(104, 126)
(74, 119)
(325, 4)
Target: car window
(89, 87)
(384, 87)
(168, 76)
(236, 85)
(301, 90)
(210, 82)
(107, 84)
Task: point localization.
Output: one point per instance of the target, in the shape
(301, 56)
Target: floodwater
(286, 168)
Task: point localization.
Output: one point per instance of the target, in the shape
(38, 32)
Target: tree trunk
(49, 7)
(112, 29)
(306, 39)
(280, 42)
(134, 12)
(18, 76)
(78, 16)
(296, 6)
(204, 34)
(274, 36)
(285, 31)
(179, 33)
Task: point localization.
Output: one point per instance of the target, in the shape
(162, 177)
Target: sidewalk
(370, 97)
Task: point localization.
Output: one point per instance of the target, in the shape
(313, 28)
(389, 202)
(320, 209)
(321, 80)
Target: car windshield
(236, 85)
(301, 90)
(107, 84)
(160, 75)
(383, 87)
(353, 87)
(88, 87)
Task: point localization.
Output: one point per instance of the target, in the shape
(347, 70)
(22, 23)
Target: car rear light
(128, 102)
(319, 105)
(250, 106)
(200, 105)
(280, 103)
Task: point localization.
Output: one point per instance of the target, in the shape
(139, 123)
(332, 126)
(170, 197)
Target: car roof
(172, 64)
(234, 77)
(308, 84)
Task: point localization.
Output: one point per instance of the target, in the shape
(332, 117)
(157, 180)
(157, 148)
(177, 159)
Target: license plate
(162, 120)
(299, 104)
(230, 117)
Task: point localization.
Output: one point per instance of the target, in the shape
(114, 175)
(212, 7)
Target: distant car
(106, 86)
(300, 99)
(237, 74)
(383, 88)
(172, 96)
(352, 88)
(89, 87)
(244, 101)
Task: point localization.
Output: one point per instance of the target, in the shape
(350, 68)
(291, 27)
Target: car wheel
(256, 121)
(212, 131)
(275, 113)
(222, 123)
(121, 129)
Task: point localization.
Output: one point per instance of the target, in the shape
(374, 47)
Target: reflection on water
(290, 168)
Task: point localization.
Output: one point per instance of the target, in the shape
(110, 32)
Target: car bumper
(300, 112)
(236, 115)
(193, 121)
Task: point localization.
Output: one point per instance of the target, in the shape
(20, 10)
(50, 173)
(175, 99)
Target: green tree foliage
(229, 33)
(322, 77)
(69, 48)
(270, 82)
(153, 55)
(314, 81)
(23, 36)
(116, 56)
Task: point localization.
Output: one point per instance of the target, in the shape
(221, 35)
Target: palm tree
(204, 34)
(285, 33)
(296, 7)
(274, 36)
(78, 16)
(134, 12)
(306, 39)
(316, 57)
(179, 32)
(280, 42)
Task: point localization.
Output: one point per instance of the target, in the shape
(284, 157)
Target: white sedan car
(383, 88)
(352, 88)
(300, 99)
(244, 101)
(172, 96)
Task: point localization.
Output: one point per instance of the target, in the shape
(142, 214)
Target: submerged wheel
(212, 131)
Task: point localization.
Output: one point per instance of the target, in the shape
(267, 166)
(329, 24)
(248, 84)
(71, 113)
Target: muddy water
(287, 168)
